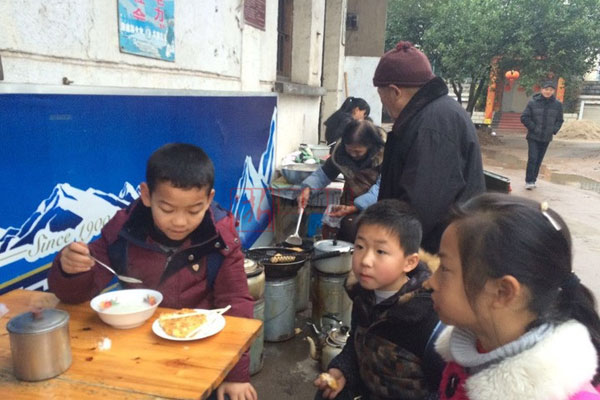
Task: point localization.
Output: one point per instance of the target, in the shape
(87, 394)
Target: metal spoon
(295, 239)
(123, 278)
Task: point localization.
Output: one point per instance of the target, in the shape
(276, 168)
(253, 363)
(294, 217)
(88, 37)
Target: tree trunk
(457, 89)
(474, 93)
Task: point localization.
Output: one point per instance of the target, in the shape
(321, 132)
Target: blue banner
(70, 161)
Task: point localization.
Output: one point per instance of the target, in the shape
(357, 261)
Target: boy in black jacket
(392, 316)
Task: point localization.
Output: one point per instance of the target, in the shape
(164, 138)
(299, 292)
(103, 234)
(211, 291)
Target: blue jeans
(535, 155)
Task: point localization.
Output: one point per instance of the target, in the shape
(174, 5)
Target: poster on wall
(147, 28)
(76, 159)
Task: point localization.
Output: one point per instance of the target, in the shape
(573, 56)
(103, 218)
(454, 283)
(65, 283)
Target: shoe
(529, 186)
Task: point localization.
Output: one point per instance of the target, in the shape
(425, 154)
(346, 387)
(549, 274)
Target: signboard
(72, 160)
(254, 13)
(147, 28)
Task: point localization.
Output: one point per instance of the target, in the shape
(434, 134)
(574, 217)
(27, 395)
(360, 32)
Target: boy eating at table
(176, 240)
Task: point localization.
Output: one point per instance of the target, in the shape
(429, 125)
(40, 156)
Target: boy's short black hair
(183, 165)
(398, 218)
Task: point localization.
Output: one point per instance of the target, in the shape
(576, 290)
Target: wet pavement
(569, 181)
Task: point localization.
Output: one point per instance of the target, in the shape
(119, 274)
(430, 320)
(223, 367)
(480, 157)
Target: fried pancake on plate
(183, 326)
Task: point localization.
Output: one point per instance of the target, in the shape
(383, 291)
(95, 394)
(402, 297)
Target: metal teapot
(328, 344)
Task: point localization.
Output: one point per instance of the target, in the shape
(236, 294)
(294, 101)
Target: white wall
(360, 71)
(43, 41)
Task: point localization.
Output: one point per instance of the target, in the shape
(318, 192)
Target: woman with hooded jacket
(358, 158)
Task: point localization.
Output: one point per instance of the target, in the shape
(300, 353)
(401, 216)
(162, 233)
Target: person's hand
(329, 393)
(303, 197)
(236, 391)
(75, 258)
(341, 211)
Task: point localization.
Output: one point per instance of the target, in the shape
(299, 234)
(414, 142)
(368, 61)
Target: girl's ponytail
(576, 301)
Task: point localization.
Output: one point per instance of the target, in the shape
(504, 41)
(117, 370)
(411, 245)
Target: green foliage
(539, 38)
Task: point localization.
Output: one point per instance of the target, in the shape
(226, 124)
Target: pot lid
(339, 336)
(250, 265)
(333, 245)
(38, 322)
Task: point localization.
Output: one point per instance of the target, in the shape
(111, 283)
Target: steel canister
(40, 344)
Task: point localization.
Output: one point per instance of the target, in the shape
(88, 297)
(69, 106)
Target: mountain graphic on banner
(253, 204)
(66, 207)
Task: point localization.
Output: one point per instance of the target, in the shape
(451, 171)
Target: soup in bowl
(128, 308)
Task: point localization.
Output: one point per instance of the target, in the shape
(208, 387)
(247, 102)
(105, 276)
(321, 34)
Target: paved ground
(570, 182)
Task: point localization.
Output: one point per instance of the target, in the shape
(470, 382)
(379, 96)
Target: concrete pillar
(307, 41)
(333, 59)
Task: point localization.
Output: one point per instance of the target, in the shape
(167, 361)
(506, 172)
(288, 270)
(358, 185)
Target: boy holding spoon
(176, 240)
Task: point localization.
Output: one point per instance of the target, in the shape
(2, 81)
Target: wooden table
(139, 364)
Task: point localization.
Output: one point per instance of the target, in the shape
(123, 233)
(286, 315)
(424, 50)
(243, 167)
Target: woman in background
(353, 108)
(357, 156)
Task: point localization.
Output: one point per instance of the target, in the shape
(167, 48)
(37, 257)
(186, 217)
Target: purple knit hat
(403, 66)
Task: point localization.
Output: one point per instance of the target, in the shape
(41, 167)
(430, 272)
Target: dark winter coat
(207, 271)
(543, 117)
(383, 357)
(432, 159)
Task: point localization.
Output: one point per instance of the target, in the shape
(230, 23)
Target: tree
(409, 20)
(540, 38)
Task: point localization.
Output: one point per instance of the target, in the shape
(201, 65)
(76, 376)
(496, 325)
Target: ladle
(295, 239)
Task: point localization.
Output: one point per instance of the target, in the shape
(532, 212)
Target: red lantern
(512, 75)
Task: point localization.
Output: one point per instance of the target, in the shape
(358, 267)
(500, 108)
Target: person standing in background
(543, 118)
(432, 158)
(353, 108)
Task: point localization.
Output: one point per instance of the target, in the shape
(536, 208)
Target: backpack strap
(117, 254)
(213, 264)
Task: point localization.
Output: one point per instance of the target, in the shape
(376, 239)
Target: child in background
(524, 326)
(176, 240)
(392, 317)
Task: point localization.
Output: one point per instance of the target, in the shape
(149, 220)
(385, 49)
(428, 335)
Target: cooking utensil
(123, 278)
(277, 270)
(295, 239)
(255, 275)
(296, 173)
(40, 344)
(333, 256)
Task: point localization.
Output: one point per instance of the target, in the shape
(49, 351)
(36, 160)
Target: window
(284, 38)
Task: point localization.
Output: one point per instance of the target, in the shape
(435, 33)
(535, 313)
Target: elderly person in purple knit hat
(432, 158)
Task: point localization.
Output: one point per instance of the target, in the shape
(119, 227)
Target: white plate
(215, 324)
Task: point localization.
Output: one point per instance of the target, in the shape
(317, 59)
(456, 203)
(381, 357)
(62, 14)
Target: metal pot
(255, 274)
(40, 344)
(333, 256)
(327, 344)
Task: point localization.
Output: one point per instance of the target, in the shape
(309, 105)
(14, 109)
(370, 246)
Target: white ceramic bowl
(124, 309)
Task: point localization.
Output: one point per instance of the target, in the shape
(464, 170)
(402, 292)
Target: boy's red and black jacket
(206, 271)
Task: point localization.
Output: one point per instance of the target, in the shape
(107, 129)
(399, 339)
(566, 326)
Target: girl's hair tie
(544, 208)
